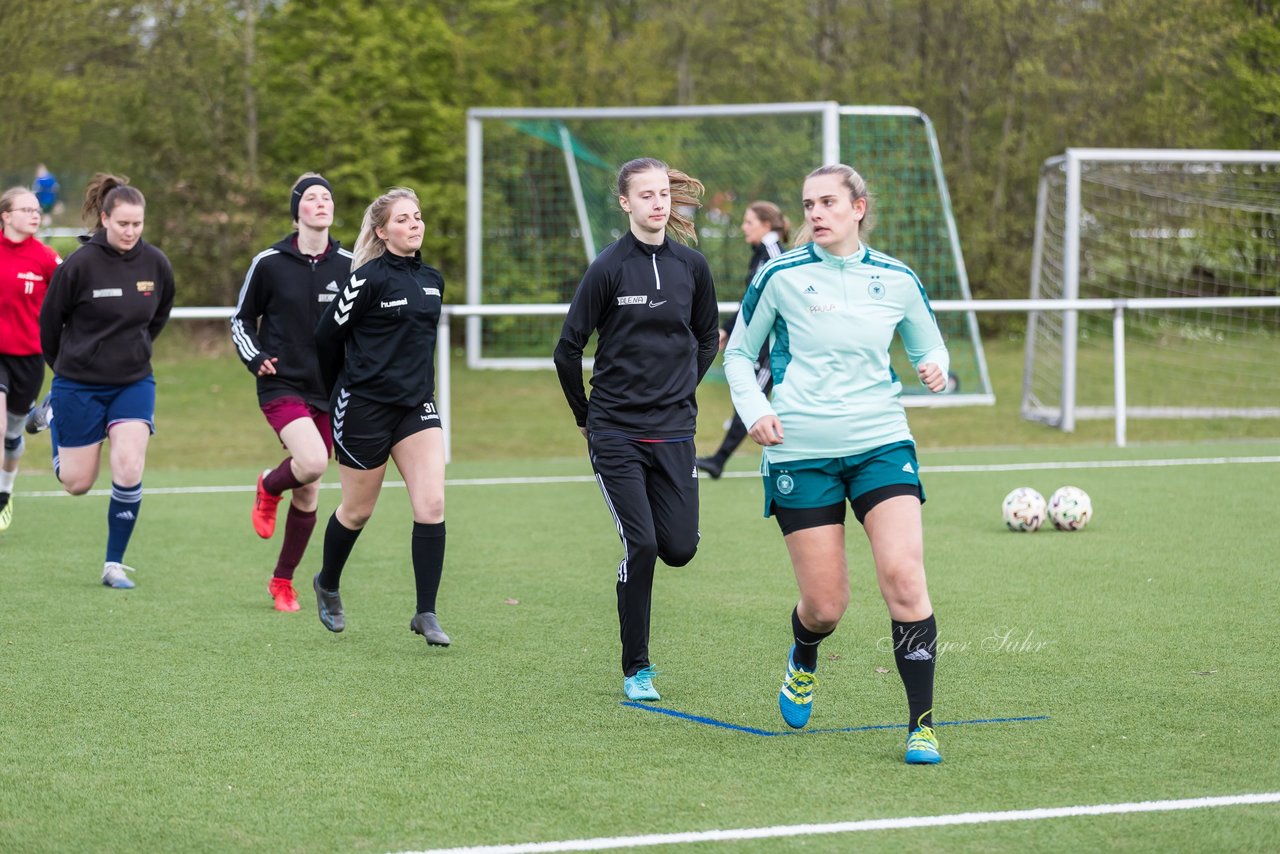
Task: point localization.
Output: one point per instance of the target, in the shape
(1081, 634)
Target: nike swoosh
(658, 303)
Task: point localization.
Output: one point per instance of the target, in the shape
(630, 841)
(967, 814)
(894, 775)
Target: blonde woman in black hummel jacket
(377, 344)
(652, 302)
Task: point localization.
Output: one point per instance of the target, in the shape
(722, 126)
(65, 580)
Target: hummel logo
(920, 654)
(908, 469)
(658, 303)
(811, 290)
(127, 515)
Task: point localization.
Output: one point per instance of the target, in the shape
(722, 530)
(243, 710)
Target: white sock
(6, 480)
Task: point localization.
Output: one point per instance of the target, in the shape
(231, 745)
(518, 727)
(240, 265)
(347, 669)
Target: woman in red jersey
(26, 266)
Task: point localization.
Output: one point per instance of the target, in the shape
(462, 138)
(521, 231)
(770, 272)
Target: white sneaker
(113, 575)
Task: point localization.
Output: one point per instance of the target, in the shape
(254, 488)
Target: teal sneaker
(922, 747)
(795, 700)
(640, 686)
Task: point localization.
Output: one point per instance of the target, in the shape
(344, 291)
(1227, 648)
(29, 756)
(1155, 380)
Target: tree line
(212, 107)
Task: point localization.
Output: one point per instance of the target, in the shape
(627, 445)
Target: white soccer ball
(1024, 509)
(1070, 508)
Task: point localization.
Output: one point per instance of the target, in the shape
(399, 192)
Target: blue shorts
(83, 412)
(804, 484)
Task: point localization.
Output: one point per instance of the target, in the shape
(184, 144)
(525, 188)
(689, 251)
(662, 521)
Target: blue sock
(122, 515)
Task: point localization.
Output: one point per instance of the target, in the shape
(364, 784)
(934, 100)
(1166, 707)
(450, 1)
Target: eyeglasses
(25, 210)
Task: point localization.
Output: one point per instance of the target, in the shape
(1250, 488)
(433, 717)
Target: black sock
(428, 562)
(4, 499)
(806, 654)
(915, 647)
(338, 542)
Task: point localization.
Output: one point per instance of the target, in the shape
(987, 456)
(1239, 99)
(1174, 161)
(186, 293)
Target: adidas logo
(127, 515)
(920, 654)
(811, 290)
(332, 286)
(908, 469)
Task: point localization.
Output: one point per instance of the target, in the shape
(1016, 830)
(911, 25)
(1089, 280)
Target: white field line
(518, 481)
(606, 843)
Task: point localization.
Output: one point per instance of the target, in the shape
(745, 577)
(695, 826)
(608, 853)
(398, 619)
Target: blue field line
(750, 730)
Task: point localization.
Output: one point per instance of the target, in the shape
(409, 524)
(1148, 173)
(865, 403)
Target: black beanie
(310, 181)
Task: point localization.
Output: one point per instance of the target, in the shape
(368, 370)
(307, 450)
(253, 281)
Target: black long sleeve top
(654, 309)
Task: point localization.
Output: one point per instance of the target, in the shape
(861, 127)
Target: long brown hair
(686, 192)
(104, 192)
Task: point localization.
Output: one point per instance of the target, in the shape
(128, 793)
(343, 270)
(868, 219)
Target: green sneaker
(6, 514)
(795, 700)
(640, 686)
(922, 747)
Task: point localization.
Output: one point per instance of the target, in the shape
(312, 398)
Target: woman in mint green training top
(836, 431)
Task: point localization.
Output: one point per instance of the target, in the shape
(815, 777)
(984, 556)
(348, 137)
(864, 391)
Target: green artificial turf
(187, 715)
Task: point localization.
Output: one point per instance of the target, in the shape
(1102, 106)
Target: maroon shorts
(286, 410)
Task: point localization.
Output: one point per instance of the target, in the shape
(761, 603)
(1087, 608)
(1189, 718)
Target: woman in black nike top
(105, 306)
(285, 291)
(652, 303)
(377, 342)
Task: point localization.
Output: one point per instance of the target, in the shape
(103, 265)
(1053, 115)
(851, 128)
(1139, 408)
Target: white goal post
(1145, 225)
(540, 204)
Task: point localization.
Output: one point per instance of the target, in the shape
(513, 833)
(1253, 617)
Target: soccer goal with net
(541, 204)
(1141, 225)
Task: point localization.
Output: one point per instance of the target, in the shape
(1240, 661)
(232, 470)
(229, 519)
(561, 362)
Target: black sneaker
(710, 465)
(40, 415)
(428, 626)
(329, 603)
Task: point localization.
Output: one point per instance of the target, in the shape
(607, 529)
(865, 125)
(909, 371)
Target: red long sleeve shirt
(25, 271)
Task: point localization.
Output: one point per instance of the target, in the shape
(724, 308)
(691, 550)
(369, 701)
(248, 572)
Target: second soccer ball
(1070, 508)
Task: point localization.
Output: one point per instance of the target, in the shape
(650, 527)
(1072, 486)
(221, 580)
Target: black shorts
(20, 380)
(364, 431)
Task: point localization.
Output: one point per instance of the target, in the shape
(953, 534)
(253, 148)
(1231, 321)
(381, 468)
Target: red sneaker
(281, 590)
(264, 510)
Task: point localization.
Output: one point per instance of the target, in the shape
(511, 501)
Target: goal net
(1139, 224)
(541, 204)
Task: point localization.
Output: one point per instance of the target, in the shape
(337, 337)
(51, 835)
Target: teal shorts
(822, 482)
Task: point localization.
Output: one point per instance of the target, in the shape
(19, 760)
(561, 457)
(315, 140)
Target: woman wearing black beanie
(285, 291)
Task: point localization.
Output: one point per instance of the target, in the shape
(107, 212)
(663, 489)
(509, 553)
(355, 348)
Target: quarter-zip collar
(652, 250)
(841, 261)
